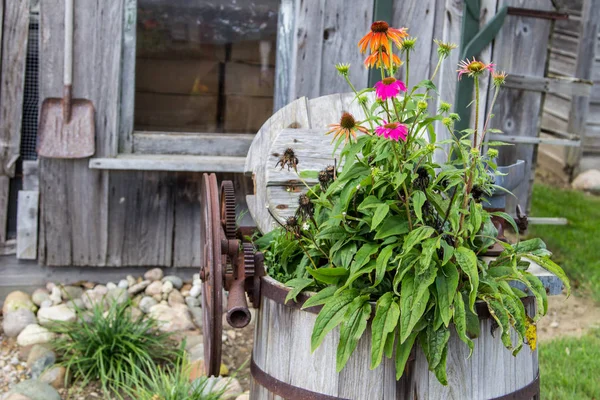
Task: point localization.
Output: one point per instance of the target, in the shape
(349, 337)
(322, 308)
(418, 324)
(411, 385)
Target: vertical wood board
(27, 224)
(4, 187)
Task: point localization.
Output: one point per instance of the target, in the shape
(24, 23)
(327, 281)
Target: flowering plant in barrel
(392, 237)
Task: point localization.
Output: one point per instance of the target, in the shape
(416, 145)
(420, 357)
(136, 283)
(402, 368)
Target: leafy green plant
(392, 226)
(111, 345)
(170, 382)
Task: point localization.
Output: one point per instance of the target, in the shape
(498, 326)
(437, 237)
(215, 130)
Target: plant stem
(476, 112)
(437, 67)
(406, 80)
(406, 198)
(364, 107)
(489, 117)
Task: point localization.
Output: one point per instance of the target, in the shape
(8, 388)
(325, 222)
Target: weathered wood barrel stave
(283, 366)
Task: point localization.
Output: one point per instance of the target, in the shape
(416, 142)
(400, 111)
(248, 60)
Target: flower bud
(474, 151)
(430, 147)
(363, 99)
(343, 69)
(408, 44)
(492, 153)
(454, 116)
(448, 122)
(422, 105)
(445, 107)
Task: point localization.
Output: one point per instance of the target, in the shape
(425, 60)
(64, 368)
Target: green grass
(569, 368)
(576, 246)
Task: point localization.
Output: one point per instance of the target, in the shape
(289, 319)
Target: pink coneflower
(389, 87)
(392, 130)
(473, 68)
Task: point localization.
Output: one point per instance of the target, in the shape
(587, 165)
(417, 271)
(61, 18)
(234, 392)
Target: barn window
(204, 66)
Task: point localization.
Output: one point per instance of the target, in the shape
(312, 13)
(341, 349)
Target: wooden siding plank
(13, 41)
(565, 86)
(27, 224)
(128, 56)
(285, 65)
(142, 219)
(147, 162)
(212, 144)
(187, 251)
(4, 187)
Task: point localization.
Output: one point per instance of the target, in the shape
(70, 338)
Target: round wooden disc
(212, 288)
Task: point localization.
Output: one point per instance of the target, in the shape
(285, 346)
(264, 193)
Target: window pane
(205, 65)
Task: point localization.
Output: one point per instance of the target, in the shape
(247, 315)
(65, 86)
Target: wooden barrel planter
(282, 364)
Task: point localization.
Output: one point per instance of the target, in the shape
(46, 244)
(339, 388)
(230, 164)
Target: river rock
(138, 287)
(59, 313)
(75, 304)
(56, 296)
(117, 295)
(39, 351)
(167, 287)
(175, 280)
(44, 361)
(155, 274)
(172, 319)
(17, 300)
(93, 298)
(192, 301)
(54, 376)
(175, 298)
(197, 315)
(231, 387)
(39, 295)
(195, 291)
(46, 303)
(102, 289)
(123, 284)
(111, 285)
(243, 396)
(588, 181)
(71, 292)
(34, 334)
(15, 396)
(15, 321)
(35, 390)
(146, 303)
(154, 288)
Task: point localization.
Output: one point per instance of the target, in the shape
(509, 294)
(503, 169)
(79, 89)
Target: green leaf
(363, 255)
(436, 343)
(320, 298)
(427, 249)
(475, 217)
(308, 174)
(386, 318)
(331, 316)
(412, 307)
(297, 285)
(440, 369)
(507, 217)
(344, 255)
(402, 353)
(448, 252)
(418, 201)
(549, 265)
(539, 291)
(467, 260)
(382, 262)
(380, 213)
(528, 246)
(515, 308)
(392, 226)
(389, 344)
(415, 237)
(329, 276)
(446, 283)
(460, 322)
(500, 314)
(352, 329)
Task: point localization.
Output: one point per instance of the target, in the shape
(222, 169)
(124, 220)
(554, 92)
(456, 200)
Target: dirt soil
(568, 317)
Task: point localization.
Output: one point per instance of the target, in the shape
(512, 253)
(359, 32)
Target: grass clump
(576, 245)
(569, 367)
(111, 346)
(171, 382)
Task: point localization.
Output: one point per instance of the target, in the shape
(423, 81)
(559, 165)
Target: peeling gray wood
(533, 140)
(27, 224)
(8, 248)
(285, 64)
(12, 79)
(30, 175)
(187, 220)
(562, 85)
(4, 188)
(210, 144)
(147, 162)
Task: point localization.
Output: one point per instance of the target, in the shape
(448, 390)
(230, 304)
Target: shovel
(66, 128)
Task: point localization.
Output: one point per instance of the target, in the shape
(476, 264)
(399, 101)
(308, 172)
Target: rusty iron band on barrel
(278, 294)
(290, 392)
(284, 389)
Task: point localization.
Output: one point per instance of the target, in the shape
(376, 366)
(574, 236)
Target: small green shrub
(111, 347)
(170, 382)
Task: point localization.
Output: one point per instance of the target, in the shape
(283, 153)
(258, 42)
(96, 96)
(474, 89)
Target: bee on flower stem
(288, 159)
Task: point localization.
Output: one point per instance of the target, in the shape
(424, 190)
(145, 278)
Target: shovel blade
(59, 138)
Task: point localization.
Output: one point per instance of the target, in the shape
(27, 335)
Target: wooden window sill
(162, 162)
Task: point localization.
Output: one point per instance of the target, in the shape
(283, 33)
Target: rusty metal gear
(228, 209)
(249, 251)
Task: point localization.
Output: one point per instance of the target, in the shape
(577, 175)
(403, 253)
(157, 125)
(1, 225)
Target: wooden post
(590, 23)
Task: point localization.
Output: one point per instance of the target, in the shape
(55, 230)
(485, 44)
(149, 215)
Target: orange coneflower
(380, 35)
(346, 127)
(473, 68)
(375, 59)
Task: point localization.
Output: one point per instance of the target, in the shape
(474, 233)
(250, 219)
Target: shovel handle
(68, 73)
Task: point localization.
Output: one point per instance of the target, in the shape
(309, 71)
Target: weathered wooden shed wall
(128, 218)
(566, 62)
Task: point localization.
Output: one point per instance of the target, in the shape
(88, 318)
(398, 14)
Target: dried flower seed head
(473, 68)
(288, 159)
(305, 207)
(326, 176)
(422, 105)
(445, 107)
(499, 78)
(343, 69)
(291, 222)
(444, 49)
(477, 192)
(330, 169)
(347, 121)
(492, 153)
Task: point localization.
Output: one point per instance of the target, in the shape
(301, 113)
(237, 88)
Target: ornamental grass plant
(110, 346)
(387, 224)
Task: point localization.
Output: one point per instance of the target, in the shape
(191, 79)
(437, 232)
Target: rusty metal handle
(238, 315)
